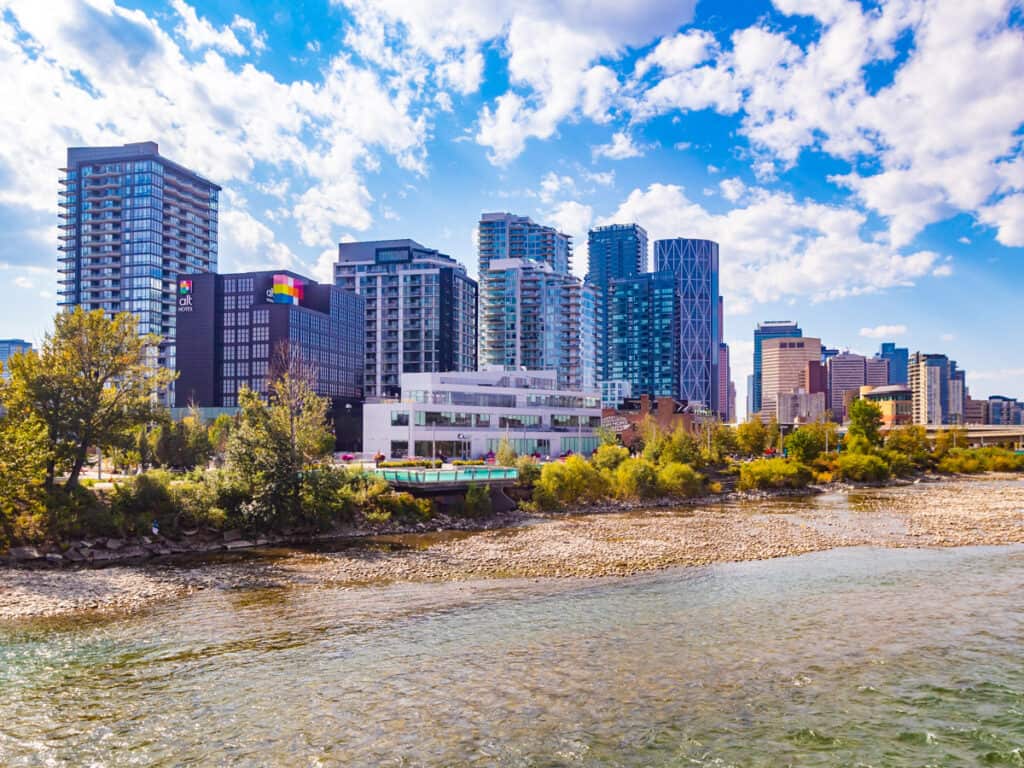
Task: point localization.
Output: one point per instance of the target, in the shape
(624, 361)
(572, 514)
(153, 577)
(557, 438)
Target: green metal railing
(457, 475)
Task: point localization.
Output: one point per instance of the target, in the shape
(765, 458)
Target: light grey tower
(131, 222)
(694, 263)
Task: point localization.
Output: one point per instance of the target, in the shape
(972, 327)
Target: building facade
(421, 310)
(976, 411)
(724, 383)
(694, 265)
(1004, 410)
(847, 373)
(470, 414)
(643, 332)
(898, 358)
(772, 329)
(784, 364)
(614, 252)
(132, 222)
(939, 389)
(799, 407)
(534, 313)
(876, 371)
(9, 347)
(239, 330)
(896, 401)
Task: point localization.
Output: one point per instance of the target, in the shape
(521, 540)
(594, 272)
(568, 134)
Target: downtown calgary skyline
(860, 165)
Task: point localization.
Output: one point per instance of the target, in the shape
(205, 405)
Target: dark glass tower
(614, 252)
(643, 333)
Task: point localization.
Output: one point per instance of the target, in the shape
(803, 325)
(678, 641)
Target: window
(399, 418)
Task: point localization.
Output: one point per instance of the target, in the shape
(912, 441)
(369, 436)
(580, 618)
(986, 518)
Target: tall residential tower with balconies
(131, 222)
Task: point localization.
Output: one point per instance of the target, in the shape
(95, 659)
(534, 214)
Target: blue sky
(860, 163)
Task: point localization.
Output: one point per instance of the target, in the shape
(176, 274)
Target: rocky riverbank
(621, 542)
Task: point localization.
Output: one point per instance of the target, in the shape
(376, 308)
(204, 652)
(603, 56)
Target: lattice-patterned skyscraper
(695, 266)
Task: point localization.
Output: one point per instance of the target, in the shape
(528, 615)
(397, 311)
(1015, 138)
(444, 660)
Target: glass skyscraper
(613, 252)
(643, 334)
(421, 310)
(898, 358)
(10, 347)
(694, 263)
(773, 329)
(131, 222)
(534, 313)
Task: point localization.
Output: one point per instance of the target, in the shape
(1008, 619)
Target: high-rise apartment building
(773, 329)
(1004, 410)
(784, 370)
(533, 312)
(847, 373)
(694, 264)
(898, 358)
(421, 310)
(724, 382)
(939, 389)
(10, 347)
(132, 222)
(643, 334)
(614, 252)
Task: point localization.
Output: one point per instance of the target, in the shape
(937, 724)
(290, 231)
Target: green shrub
(136, 503)
(974, 460)
(608, 457)
(410, 463)
(677, 479)
(528, 469)
(764, 474)
(861, 468)
(477, 502)
(635, 479)
(468, 462)
(574, 481)
(900, 465)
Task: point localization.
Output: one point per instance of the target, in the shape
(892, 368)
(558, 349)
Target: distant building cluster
(407, 343)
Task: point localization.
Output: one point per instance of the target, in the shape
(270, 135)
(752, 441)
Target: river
(851, 657)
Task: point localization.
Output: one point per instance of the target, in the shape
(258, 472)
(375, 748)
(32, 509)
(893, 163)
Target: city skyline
(853, 227)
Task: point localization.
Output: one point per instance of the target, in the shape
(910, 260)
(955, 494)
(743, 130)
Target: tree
(219, 432)
(752, 437)
(274, 444)
(93, 380)
(910, 440)
(865, 425)
(608, 456)
(23, 462)
(505, 455)
(811, 440)
(773, 433)
(947, 439)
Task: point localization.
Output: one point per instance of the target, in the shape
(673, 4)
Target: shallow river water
(855, 657)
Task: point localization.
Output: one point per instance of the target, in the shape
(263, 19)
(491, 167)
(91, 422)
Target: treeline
(92, 386)
(677, 464)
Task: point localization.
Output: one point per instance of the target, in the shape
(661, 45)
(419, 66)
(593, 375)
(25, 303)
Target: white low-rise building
(469, 413)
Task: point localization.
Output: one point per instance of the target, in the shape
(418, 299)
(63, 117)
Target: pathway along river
(858, 656)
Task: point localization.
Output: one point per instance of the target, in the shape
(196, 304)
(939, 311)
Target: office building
(876, 371)
(784, 364)
(238, 331)
(132, 222)
(643, 334)
(421, 310)
(1004, 410)
(750, 396)
(847, 373)
(897, 358)
(773, 329)
(614, 392)
(614, 252)
(976, 411)
(894, 400)
(939, 389)
(799, 406)
(534, 313)
(470, 413)
(817, 378)
(10, 347)
(724, 383)
(694, 265)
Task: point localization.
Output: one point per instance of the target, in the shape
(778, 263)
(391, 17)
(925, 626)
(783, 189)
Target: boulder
(73, 555)
(25, 553)
(238, 544)
(233, 535)
(114, 544)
